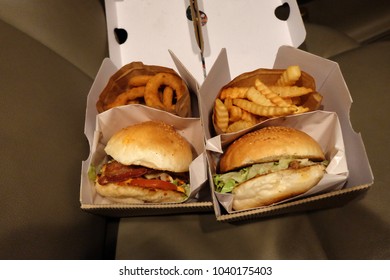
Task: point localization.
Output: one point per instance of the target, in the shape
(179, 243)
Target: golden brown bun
(151, 144)
(135, 194)
(274, 187)
(119, 83)
(270, 144)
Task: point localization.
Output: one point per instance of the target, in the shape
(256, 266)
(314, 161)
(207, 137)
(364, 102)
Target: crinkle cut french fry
(221, 116)
(266, 111)
(276, 99)
(257, 97)
(249, 117)
(235, 113)
(234, 92)
(239, 125)
(290, 91)
(289, 76)
(228, 102)
(301, 109)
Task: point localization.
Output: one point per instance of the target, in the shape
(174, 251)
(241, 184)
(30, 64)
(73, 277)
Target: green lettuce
(225, 183)
(92, 174)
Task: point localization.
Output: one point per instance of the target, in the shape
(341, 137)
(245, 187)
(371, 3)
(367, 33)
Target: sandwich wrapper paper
(323, 126)
(111, 121)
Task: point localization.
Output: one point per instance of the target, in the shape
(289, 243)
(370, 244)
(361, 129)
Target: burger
(269, 165)
(147, 162)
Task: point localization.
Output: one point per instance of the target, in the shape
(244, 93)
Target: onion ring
(168, 98)
(151, 96)
(139, 80)
(127, 97)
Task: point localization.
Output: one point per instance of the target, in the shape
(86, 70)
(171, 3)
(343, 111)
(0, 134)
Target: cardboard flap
(218, 76)
(106, 70)
(150, 28)
(337, 98)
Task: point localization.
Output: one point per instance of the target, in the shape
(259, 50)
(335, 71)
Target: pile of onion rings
(154, 86)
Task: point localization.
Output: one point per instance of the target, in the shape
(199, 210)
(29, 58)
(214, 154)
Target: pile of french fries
(277, 93)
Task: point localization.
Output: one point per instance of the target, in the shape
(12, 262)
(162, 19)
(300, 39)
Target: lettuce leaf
(225, 183)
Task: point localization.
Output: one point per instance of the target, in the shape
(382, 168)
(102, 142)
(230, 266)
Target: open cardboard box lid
(145, 31)
(336, 98)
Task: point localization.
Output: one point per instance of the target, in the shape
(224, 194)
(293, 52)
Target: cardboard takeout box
(336, 98)
(98, 129)
(161, 32)
(237, 38)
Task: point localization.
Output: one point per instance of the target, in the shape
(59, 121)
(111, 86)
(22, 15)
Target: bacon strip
(116, 172)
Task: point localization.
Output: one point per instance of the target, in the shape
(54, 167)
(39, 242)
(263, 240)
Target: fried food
(228, 102)
(252, 118)
(159, 80)
(167, 98)
(256, 96)
(235, 92)
(128, 97)
(275, 99)
(289, 76)
(221, 116)
(139, 80)
(290, 91)
(154, 86)
(266, 111)
(239, 125)
(235, 113)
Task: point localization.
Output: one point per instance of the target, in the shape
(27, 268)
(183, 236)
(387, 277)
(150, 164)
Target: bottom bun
(277, 186)
(136, 195)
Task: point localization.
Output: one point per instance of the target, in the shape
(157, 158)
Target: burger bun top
(151, 144)
(270, 144)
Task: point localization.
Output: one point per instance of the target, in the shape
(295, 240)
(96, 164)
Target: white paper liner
(111, 121)
(323, 126)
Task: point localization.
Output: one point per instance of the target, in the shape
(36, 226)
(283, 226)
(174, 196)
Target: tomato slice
(153, 183)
